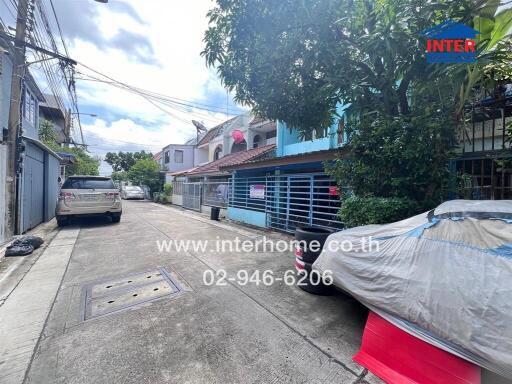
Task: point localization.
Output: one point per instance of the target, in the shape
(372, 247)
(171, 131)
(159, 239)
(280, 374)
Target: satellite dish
(199, 126)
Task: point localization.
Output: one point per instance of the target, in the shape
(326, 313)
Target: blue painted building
(291, 188)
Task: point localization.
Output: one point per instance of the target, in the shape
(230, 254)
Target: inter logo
(450, 42)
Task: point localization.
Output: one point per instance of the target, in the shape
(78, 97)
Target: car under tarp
(444, 276)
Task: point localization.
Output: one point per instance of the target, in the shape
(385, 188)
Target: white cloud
(175, 31)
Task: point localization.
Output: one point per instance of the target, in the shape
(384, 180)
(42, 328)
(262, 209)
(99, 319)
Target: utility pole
(67, 129)
(14, 134)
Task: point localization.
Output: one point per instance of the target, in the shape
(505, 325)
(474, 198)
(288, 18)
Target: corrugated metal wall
(3, 165)
(40, 186)
(33, 193)
(52, 171)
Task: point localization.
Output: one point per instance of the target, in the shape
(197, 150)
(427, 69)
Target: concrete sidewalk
(24, 313)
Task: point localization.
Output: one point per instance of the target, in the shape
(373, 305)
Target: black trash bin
(305, 257)
(214, 213)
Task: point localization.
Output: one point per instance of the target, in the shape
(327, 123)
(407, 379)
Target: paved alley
(214, 333)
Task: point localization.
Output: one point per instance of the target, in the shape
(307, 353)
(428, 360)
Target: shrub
(357, 211)
(167, 189)
(404, 156)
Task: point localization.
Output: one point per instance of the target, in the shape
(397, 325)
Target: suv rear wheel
(62, 221)
(116, 217)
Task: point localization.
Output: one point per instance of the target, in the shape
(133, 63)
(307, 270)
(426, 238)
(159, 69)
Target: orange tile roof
(232, 158)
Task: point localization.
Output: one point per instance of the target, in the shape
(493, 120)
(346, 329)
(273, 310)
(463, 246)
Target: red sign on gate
(334, 191)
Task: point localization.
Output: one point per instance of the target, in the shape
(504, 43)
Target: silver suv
(88, 195)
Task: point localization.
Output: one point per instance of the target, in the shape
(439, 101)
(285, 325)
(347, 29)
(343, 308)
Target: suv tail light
(67, 196)
(112, 195)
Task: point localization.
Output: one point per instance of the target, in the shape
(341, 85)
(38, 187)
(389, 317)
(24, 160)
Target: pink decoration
(238, 136)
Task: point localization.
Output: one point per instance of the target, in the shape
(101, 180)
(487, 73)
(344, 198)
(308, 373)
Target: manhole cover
(114, 295)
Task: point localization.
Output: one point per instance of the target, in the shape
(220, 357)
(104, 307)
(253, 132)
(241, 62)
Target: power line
(60, 30)
(152, 100)
(10, 10)
(175, 100)
(62, 86)
(199, 115)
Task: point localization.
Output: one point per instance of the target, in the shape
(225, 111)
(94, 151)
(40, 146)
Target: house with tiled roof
(290, 188)
(214, 168)
(238, 139)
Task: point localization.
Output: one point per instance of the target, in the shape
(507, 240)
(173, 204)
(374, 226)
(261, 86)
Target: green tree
(145, 172)
(296, 61)
(84, 165)
(400, 156)
(123, 161)
(47, 133)
(120, 176)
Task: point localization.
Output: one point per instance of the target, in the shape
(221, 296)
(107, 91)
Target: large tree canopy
(294, 60)
(124, 161)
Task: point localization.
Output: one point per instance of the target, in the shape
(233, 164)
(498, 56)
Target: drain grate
(118, 294)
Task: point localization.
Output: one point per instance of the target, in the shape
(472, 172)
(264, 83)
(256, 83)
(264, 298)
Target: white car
(132, 192)
(88, 195)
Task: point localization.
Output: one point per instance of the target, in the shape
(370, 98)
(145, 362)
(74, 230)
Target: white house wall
(188, 157)
(200, 156)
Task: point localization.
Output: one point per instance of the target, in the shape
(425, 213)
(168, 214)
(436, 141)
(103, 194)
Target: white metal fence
(289, 200)
(215, 193)
(192, 196)
(177, 187)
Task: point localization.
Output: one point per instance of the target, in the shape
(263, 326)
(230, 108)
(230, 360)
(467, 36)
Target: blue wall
(289, 143)
(256, 218)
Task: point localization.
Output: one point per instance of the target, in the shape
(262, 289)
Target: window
(88, 183)
(256, 141)
(178, 156)
(217, 154)
(133, 189)
(167, 157)
(239, 147)
(320, 133)
(341, 131)
(29, 107)
(270, 135)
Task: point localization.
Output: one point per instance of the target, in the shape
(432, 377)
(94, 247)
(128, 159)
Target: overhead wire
(59, 76)
(158, 103)
(199, 115)
(201, 106)
(11, 12)
(194, 114)
(63, 86)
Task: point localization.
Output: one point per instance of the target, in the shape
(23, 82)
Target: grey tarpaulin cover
(444, 276)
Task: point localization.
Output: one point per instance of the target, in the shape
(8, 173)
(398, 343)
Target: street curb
(230, 225)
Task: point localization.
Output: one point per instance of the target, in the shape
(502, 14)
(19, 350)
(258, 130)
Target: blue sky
(150, 44)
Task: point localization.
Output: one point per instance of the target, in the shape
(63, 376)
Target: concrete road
(202, 334)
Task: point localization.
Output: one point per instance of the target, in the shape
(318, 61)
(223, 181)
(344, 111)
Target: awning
(42, 146)
(301, 158)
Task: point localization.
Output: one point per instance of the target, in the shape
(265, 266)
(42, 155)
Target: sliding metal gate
(302, 200)
(192, 196)
(290, 200)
